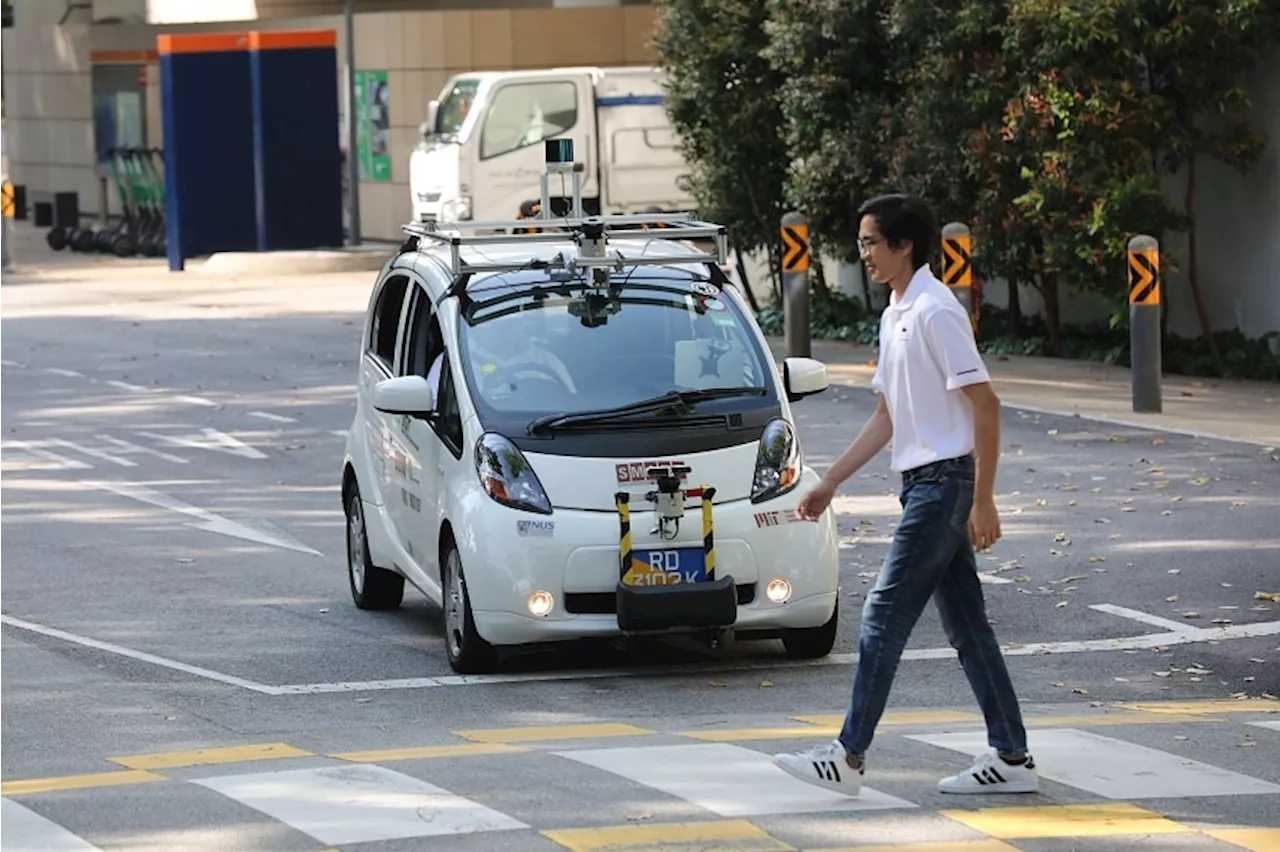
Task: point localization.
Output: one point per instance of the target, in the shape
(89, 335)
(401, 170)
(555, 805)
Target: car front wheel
(371, 587)
(468, 652)
(810, 643)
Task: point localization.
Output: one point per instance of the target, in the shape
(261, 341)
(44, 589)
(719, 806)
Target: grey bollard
(795, 284)
(1145, 348)
(957, 265)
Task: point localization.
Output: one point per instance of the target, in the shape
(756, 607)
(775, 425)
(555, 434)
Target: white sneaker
(990, 774)
(825, 765)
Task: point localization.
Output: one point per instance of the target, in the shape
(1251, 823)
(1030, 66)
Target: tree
(840, 97)
(723, 100)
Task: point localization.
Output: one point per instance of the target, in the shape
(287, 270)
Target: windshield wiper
(644, 406)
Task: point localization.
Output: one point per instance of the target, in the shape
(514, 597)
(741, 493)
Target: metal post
(795, 284)
(353, 136)
(957, 266)
(1144, 323)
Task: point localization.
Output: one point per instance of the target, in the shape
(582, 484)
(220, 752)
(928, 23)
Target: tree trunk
(1015, 309)
(819, 275)
(1193, 277)
(866, 287)
(1052, 311)
(746, 283)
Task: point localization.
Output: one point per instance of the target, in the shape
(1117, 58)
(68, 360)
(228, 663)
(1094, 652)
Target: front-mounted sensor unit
(559, 154)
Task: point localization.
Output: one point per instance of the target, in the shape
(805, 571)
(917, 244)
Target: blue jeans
(931, 556)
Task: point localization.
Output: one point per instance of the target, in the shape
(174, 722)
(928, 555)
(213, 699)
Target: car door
(415, 506)
(520, 115)
(377, 364)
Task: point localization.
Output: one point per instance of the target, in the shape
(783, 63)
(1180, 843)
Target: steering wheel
(524, 367)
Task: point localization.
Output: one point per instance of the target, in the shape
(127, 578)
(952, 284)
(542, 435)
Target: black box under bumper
(687, 605)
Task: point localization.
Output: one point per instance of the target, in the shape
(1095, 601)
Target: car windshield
(455, 108)
(532, 347)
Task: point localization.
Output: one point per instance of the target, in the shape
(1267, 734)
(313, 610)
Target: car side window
(386, 320)
(423, 332)
(524, 114)
(448, 422)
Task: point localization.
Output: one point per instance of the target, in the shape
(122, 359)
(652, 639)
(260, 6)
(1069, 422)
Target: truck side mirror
(428, 127)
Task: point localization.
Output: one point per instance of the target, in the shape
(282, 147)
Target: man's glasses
(865, 246)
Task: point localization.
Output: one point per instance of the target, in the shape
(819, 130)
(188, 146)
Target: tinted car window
(532, 347)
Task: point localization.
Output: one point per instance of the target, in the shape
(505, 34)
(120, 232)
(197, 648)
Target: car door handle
(440, 469)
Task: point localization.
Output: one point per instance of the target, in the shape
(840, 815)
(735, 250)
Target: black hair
(905, 217)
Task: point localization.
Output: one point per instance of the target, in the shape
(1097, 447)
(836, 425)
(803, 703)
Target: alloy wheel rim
(455, 595)
(355, 542)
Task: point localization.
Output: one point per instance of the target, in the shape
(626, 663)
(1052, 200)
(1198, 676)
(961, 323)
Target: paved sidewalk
(1234, 410)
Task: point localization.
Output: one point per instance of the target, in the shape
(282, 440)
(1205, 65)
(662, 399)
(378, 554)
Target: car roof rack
(590, 233)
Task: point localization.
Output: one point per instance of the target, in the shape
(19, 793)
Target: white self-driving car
(581, 433)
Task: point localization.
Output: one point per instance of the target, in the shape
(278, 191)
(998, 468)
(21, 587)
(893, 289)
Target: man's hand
(984, 523)
(813, 504)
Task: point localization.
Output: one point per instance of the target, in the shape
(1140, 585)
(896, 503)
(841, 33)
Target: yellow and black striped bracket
(708, 538)
(1144, 276)
(957, 261)
(8, 207)
(624, 523)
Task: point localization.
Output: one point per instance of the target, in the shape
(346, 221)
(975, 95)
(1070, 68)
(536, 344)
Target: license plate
(666, 567)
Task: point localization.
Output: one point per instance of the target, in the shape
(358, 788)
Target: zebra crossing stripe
(24, 830)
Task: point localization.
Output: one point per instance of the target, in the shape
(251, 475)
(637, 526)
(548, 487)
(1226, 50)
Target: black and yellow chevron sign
(1144, 277)
(795, 248)
(957, 261)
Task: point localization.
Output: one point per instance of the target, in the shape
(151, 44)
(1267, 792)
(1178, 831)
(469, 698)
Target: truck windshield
(553, 348)
(455, 108)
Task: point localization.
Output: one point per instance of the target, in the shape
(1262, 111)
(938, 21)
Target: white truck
(482, 150)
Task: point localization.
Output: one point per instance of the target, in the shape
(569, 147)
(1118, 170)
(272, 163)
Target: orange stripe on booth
(127, 57)
(284, 39)
(220, 42)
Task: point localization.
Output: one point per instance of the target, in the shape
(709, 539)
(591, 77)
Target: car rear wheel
(809, 643)
(468, 652)
(371, 587)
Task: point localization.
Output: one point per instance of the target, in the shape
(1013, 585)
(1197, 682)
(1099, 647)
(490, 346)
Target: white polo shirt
(927, 354)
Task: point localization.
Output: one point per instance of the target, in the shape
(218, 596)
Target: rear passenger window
(386, 319)
(449, 423)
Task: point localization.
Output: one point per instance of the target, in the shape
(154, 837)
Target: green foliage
(723, 99)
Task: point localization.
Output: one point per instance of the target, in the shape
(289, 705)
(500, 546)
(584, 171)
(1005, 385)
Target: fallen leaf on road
(718, 683)
(1078, 691)
(1068, 487)
(1171, 599)
(1221, 621)
(1073, 502)
(1256, 660)
(1274, 597)
(1199, 480)
(1056, 553)
(1190, 615)
(1097, 559)
(765, 684)
(1167, 512)
(1060, 536)
(1158, 442)
(1058, 683)
(1128, 509)
(1247, 744)
(1175, 570)
(1162, 483)
(1060, 604)
(1162, 674)
(1176, 499)
(1127, 500)
(1239, 503)
(1122, 680)
(1042, 502)
(1052, 432)
(1179, 737)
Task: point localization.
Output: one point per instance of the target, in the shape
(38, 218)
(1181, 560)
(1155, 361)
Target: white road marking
(1113, 768)
(338, 805)
(209, 439)
(90, 451)
(1271, 726)
(24, 830)
(267, 415)
(208, 520)
(1145, 618)
(58, 371)
(143, 656)
(115, 383)
(341, 433)
(62, 462)
(130, 447)
(729, 780)
(197, 400)
(7, 363)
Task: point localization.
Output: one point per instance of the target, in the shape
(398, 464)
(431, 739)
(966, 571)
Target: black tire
(84, 240)
(810, 643)
(371, 587)
(57, 238)
(468, 653)
(124, 245)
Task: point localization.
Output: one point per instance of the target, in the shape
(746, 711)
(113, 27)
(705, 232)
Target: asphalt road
(175, 581)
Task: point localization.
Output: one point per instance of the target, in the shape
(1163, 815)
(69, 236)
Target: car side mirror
(803, 377)
(404, 395)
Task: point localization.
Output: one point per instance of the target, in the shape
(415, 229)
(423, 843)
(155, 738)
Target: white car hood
(592, 483)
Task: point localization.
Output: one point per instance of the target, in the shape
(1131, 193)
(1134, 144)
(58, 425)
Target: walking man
(937, 405)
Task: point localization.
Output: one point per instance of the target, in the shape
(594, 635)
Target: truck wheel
(809, 643)
(371, 587)
(468, 652)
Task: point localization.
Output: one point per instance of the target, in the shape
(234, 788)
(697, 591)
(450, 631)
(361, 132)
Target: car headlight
(777, 462)
(507, 477)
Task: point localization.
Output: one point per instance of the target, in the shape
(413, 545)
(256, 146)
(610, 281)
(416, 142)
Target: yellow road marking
(538, 733)
(1253, 839)
(716, 836)
(1246, 705)
(987, 845)
(1100, 720)
(1067, 821)
(78, 782)
(210, 756)
(731, 734)
(427, 752)
(906, 717)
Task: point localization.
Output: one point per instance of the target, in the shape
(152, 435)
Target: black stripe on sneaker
(979, 779)
(996, 774)
(827, 770)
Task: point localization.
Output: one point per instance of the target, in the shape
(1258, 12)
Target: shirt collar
(915, 287)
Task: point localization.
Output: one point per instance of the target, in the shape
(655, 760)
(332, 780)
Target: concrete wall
(47, 72)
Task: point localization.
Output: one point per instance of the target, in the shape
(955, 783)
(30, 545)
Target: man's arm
(875, 434)
(986, 436)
